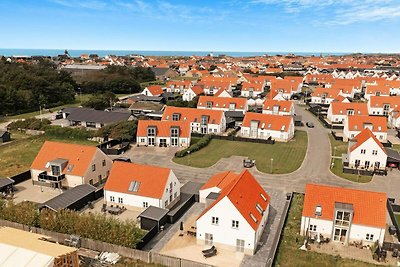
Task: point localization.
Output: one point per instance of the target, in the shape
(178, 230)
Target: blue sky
(203, 25)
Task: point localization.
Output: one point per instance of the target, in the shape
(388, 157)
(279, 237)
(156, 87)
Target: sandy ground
(185, 247)
(352, 252)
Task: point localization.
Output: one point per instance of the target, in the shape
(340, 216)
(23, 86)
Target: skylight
(134, 186)
(260, 210)
(254, 218)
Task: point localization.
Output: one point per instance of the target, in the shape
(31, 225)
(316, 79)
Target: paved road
(314, 169)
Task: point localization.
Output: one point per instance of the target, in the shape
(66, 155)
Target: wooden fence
(148, 257)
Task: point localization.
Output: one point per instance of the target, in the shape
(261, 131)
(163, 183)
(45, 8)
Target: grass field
(397, 217)
(288, 253)
(262, 153)
(17, 155)
(341, 148)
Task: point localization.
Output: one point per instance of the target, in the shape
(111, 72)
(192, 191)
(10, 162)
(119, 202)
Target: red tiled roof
(163, 127)
(284, 105)
(220, 180)
(373, 89)
(155, 90)
(153, 179)
(369, 207)
(340, 108)
(258, 87)
(192, 114)
(222, 102)
(244, 193)
(380, 101)
(331, 92)
(80, 156)
(363, 136)
(356, 123)
(197, 89)
(268, 121)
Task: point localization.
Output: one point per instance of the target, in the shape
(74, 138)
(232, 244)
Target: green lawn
(288, 253)
(262, 153)
(341, 148)
(17, 156)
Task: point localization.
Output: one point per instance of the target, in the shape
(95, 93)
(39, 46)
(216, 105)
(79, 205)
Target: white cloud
(86, 4)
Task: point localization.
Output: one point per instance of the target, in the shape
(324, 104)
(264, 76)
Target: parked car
(124, 159)
(310, 125)
(248, 163)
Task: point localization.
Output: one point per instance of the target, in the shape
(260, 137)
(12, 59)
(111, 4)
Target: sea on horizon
(8, 52)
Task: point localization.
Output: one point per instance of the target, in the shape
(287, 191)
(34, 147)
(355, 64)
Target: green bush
(203, 142)
(31, 124)
(68, 133)
(125, 130)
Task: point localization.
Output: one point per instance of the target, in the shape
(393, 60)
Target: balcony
(51, 178)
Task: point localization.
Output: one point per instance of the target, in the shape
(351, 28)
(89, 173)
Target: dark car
(124, 159)
(310, 125)
(248, 163)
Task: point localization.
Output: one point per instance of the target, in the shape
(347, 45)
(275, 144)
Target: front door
(239, 245)
(163, 142)
(377, 164)
(367, 163)
(151, 141)
(209, 239)
(340, 235)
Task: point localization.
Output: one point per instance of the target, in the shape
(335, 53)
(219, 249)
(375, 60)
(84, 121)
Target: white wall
(182, 142)
(359, 232)
(265, 134)
(369, 146)
(223, 233)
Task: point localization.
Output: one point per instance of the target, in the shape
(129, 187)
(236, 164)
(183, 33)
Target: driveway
(314, 169)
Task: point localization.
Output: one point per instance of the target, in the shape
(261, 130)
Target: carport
(153, 216)
(73, 199)
(6, 184)
(393, 158)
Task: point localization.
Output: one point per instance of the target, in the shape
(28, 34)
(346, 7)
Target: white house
(353, 125)
(277, 107)
(394, 118)
(376, 90)
(67, 165)
(201, 120)
(139, 186)
(338, 111)
(223, 103)
(324, 95)
(343, 215)
(153, 90)
(252, 89)
(237, 217)
(163, 133)
(264, 126)
(383, 105)
(366, 152)
(179, 87)
(192, 92)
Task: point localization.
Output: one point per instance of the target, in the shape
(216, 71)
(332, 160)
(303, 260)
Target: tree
(124, 131)
(101, 101)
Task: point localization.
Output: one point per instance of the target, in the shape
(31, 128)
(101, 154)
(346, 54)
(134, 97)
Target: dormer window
(318, 210)
(209, 104)
(176, 116)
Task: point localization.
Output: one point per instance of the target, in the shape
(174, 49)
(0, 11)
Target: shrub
(68, 133)
(203, 142)
(125, 130)
(31, 124)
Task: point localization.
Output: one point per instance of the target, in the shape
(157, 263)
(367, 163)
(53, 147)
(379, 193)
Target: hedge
(203, 142)
(68, 133)
(31, 124)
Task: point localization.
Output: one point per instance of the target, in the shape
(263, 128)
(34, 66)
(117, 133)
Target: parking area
(26, 191)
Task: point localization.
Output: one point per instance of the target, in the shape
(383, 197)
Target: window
(120, 200)
(214, 220)
(91, 181)
(381, 137)
(313, 227)
(104, 162)
(145, 204)
(263, 197)
(99, 178)
(176, 117)
(166, 203)
(369, 237)
(151, 131)
(342, 218)
(235, 224)
(209, 104)
(142, 140)
(107, 174)
(175, 195)
(374, 152)
(260, 210)
(357, 162)
(363, 151)
(93, 167)
(112, 199)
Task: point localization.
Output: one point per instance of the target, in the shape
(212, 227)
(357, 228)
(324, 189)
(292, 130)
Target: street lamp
(272, 160)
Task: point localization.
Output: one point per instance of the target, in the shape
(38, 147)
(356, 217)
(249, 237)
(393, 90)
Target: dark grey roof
(147, 98)
(213, 195)
(191, 188)
(160, 71)
(393, 154)
(92, 115)
(297, 118)
(2, 132)
(5, 182)
(234, 114)
(154, 213)
(69, 197)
